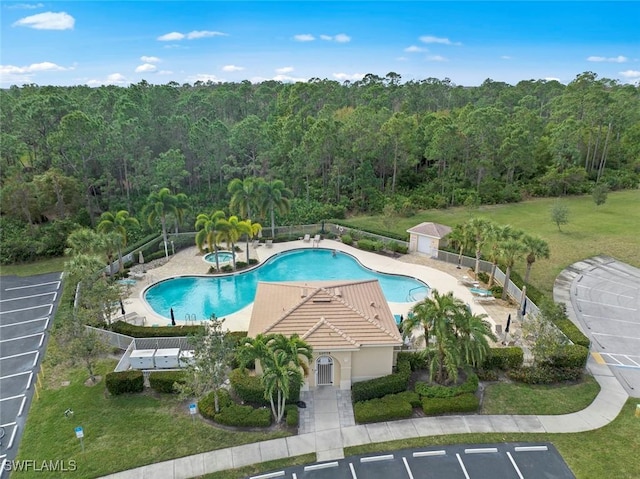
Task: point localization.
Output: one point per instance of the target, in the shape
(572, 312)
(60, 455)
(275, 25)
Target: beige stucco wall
(371, 362)
(341, 369)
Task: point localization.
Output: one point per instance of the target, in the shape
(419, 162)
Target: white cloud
(339, 38)
(440, 40)
(618, 59)
(204, 77)
(25, 6)
(305, 37)
(165, 72)
(34, 67)
(204, 34)
(348, 76)
(146, 59)
(505, 57)
(632, 74)
(112, 79)
(170, 37)
(552, 79)
(195, 34)
(402, 59)
(232, 68)
(284, 70)
(47, 21)
(415, 49)
(437, 58)
(289, 78)
(145, 67)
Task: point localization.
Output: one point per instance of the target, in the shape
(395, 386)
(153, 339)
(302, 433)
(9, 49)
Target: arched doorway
(324, 371)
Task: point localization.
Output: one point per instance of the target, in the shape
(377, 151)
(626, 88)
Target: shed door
(424, 245)
(324, 371)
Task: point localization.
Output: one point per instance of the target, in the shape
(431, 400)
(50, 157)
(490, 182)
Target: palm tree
(536, 248)
(473, 333)
(497, 234)
(460, 238)
(182, 205)
(251, 230)
(274, 196)
(159, 205)
(276, 379)
(478, 229)
(244, 195)
(229, 231)
(295, 348)
(207, 232)
(117, 222)
(510, 251)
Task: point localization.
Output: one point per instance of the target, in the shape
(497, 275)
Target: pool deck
(437, 274)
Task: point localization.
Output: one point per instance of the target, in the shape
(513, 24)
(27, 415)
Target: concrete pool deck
(437, 274)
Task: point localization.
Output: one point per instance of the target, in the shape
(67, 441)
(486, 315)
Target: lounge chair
(268, 243)
(483, 299)
(469, 282)
(316, 239)
(306, 238)
(480, 292)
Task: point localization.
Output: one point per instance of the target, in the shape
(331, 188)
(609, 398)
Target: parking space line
(21, 337)
(464, 469)
(406, 465)
(12, 397)
(598, 358)
(21, 410)
(606, 304)
(430, 453)
(530, 448)
(25, 322)
(54, 293)
(386, 457)
(269, 475)
(515, 466)
(609, 319)
(591, 288)
(19, 354)
(325, 465)
(50, 306)
(15, 375)
(57, 283)
(35, 360)
(616, 335)
(353, 471)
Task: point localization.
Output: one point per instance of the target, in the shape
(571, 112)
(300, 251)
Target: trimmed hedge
(155, 332)
(467, 402)
(292, 415)
(370, 245)
(123, 382)
(387, 408)
(249, 388)
(417, 361)
(207, 405)
(569, 356)
(438, 391)
(503, 358)
(380, 387)
(243, 416)
(545, 375)
(164, 381)
(572, 332)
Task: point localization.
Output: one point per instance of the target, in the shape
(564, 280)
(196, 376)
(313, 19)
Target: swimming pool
(224, 257)
(223, 295)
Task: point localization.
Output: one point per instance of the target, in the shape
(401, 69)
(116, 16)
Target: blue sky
(110, 42)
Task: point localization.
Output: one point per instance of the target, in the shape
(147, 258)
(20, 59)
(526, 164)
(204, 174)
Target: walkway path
(331, 432)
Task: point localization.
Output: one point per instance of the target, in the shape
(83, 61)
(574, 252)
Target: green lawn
(51, 265)
(121, 432)
(608, 452)
(610, 229)
(518, 398)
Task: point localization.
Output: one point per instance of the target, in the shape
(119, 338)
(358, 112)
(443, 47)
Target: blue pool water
(223, 257)
(224, 295)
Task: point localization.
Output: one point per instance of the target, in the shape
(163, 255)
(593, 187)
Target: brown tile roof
(326, 314)
(434, 230)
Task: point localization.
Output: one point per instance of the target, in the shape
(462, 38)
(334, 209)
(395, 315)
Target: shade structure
(524, 306)
(140, 258)
(506, 328)
(173, 318)
(122, 308)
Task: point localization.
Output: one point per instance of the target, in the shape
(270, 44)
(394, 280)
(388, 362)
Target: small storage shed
(142, 359)
(427, 238)
(185, 358)
(167, 358)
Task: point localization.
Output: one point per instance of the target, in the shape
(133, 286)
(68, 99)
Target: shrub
(438, 391)
(545, 374)
(572, 332)
(411, 397)
(379, 387)
(241, 264)
(347, 239)
(467, 402)
(164, 381)
(207, 405)
(487, 374)
(249, 388)
(292, 415)
(253, 261)
(569, 356)
(416, 360)
(123, 382)
(384, 409)
(227, 268)
(243, 416)
(370, 245)
(503, 358)
(157, 332)
(484, 277)
(496, 289)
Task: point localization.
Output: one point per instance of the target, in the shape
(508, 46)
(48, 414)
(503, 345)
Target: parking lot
(487, 461)
(27, 306)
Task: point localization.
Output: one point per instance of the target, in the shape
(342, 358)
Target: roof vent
(372, 304)
(338, 293)
(375, 316)
(321, 300)
(303, 293)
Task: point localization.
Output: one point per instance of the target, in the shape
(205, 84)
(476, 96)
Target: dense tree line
(76, 152)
